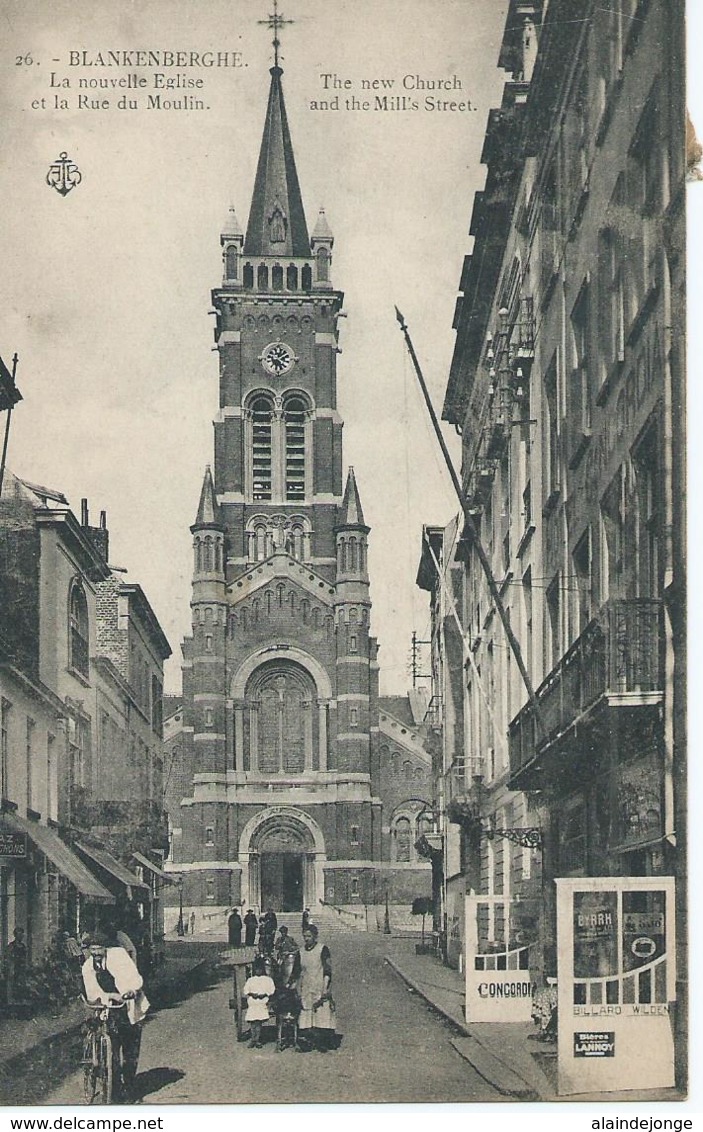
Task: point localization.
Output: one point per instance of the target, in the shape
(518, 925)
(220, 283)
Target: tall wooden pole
(3, 459)
(471, 527)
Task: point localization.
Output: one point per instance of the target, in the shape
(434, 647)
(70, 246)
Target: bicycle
(99, 1053)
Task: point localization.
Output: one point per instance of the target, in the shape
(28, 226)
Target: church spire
(208, 508)
(277, 224)
(351, 515)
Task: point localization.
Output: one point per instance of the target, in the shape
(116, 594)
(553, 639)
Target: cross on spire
(275, 22)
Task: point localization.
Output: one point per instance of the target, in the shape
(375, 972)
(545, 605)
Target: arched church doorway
(282, 864)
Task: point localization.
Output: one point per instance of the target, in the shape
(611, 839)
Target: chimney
(99, 536)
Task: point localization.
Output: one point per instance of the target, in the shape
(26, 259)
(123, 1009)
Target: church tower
(280, 680)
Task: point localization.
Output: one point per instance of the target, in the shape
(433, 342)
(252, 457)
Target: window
(403, 840)
(613, 543)
(354, 835)
(277, 277)
(5, 712)
(78, 743)
(294, 415)
(352, 643)
(209, 835)
(292, 277)
(279, 450)
(29, 762)
(582, 570)
(424, 824)
(281, 720)
(306, 277)
(611, 302)
(647, 459)
(208, 717)
(295, 541)
(407, 769)
(549, 233)
(552, 636)
(552, 428)
(355, 888)
(157, 709)
(78, 630)
(641, 237)
(580, 392)
(323, 265)
(609, 50)
(208, 643)
(527, 603)
(248, 277)
(231, 262)
(353, 717)
(51, 800)
(261, 412)
(292, 532)
(527, 504)
(262, 277)
(210, 888)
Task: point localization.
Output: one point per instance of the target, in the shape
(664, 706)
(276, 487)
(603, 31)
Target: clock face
(278, 359)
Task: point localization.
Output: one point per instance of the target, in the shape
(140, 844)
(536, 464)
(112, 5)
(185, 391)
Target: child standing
(257, 991)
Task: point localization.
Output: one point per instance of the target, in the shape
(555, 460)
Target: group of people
(287, 979)
(250, 926)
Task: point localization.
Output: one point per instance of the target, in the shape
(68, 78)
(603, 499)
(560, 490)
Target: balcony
(615, 664)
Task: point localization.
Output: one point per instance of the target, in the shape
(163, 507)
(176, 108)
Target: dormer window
(78, 646)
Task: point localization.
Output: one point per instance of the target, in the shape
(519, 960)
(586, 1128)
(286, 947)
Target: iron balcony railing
(619, 653)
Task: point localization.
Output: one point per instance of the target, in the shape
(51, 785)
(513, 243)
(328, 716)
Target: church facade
(278, 749)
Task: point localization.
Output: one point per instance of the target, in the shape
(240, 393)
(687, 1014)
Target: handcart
(241, 959)
(283, 1010)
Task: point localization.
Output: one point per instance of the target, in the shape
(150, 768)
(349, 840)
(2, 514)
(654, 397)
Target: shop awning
(147, 864)
(116, 870)
(62, 856)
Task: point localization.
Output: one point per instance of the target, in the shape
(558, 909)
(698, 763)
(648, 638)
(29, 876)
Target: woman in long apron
(317, 1023)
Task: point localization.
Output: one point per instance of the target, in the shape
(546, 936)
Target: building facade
(80, 735)
(567, 387)
(279, 737)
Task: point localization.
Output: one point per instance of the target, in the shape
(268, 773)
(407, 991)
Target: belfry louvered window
(261, 448)
(295, 449)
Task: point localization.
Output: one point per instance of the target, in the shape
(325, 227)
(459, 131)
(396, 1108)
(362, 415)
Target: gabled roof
(279, 567)
(277, 224)
(399, 707)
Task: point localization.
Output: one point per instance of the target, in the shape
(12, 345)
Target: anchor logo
(63, 175)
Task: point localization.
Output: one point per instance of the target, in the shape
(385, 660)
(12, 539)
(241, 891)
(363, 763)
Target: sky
(106, 290)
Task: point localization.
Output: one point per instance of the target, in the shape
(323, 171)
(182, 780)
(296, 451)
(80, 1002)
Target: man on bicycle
(110, 976)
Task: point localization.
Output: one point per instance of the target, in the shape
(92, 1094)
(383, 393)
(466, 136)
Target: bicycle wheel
(90, 1068)
(106, 1069)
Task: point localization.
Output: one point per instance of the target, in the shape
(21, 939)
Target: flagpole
(7, 427)
(471, 527)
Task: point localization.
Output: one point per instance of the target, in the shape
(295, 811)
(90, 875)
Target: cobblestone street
(393, 1048)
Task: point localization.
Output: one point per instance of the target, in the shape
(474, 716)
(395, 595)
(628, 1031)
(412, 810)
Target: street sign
(13, 845)
(499, 987)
